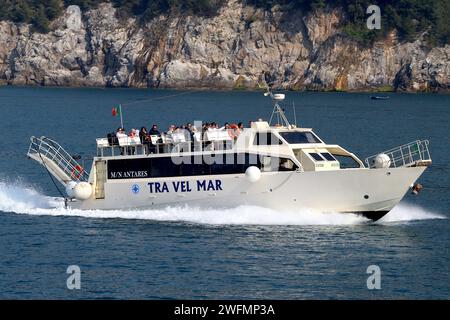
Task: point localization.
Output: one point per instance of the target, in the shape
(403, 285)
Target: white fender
(253, 174)
(82, 191)
(381, 161)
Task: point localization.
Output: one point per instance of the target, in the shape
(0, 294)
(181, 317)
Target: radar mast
(277, 112)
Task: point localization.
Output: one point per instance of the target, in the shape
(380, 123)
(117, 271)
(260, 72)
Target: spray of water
(22, 199)
(408, 212)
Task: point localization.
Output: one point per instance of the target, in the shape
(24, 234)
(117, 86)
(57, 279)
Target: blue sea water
(241, 253)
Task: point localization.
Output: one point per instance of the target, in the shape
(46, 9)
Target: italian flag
(116, 111)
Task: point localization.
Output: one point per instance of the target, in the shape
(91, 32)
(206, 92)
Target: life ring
(77, 171)
(231, 133)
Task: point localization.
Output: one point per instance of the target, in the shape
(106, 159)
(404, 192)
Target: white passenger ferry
(280, 167)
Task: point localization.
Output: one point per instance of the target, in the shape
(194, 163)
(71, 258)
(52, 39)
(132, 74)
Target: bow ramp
(56, 160)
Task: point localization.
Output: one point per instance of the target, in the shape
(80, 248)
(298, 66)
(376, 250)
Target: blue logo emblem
(135, 189)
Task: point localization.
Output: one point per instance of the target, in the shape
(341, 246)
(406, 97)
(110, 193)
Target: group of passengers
(188, 131)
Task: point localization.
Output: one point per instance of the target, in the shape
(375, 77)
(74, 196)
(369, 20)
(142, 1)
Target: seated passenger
(154, 131)
(133, 133)
(191, 130)
(120, 133)
(226, 126)
(171, 129)
(144, 136)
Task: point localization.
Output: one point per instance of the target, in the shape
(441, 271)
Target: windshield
(300, 137)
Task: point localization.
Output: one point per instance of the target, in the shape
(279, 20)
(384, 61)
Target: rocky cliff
(230, 50)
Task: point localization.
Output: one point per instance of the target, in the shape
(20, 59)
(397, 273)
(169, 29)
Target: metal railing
(106, 149)
(45, 148)
(407, 155)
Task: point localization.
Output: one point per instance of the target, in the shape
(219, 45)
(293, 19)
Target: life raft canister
(77, 171)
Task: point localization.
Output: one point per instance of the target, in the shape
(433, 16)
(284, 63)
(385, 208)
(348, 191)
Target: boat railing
(133, 146)
(415, 153)
(46, 150)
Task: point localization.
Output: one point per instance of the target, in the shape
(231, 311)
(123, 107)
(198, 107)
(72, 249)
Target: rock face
(230, 50)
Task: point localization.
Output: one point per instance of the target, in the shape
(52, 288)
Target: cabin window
(299, 137)
(234, 163)
(267, 164)
(328, 156)
(286, 165)
(316, 156)
(164, 167)
(346, 162)
(266, 139)
(217, 164)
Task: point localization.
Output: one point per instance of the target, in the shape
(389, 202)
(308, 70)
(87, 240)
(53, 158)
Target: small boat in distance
(379, 97)
(279, 166)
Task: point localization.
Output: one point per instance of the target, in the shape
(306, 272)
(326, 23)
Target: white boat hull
(371, 192)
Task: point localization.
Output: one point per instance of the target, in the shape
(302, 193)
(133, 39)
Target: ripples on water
(245, 252)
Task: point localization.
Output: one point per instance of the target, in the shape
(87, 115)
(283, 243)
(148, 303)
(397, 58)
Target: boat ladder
(412, 154)
(56, 160)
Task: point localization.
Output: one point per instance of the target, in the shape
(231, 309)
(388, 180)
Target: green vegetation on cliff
(37, 12)
(409, 17)
(147, 9)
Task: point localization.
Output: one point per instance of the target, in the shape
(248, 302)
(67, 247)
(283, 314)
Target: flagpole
(121, 119)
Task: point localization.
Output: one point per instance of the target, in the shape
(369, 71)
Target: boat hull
(369, 192)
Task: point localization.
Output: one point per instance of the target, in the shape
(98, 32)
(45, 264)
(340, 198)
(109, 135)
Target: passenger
(143, 135)
(120, 133)
(153, 142)
(133, 133)
(226, 126)
(145, 139)
(171, 129)
(205, 127)
(187, 132)
(192, 128)
(237, 129)
(154, 131)
(232, 130)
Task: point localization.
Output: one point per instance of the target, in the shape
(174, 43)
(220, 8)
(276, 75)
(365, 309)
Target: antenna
(295, 116)
(276, 107)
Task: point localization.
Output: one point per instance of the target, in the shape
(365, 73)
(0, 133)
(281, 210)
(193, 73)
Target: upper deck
(300, 145)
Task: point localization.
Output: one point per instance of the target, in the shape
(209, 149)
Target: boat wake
(21, 199)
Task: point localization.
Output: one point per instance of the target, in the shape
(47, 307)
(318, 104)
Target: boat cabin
(274, 148)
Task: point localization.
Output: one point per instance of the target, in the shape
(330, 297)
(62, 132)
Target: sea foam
(22, 199)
